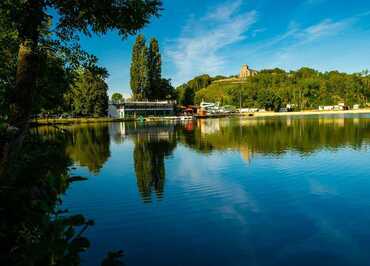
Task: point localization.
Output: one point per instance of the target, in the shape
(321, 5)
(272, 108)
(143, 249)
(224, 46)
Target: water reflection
(277, 136)
(303, 178)
(150, 170)
(34, 230)
(86, 145)
(89, 145)
(152, 143)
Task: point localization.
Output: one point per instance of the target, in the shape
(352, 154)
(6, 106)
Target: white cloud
(198, 50)
(324, 28)
(299, 46)
(300, 42)
(297, 36)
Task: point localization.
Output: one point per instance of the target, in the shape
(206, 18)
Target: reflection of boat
(186, 117)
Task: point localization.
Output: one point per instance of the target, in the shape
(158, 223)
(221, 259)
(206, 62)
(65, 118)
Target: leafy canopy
(117, 97)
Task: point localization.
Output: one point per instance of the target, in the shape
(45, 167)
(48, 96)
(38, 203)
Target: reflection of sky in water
(221, 208)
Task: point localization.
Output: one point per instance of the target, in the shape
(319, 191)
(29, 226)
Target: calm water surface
(278, 191)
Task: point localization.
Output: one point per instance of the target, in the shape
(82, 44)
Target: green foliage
(200, 82)
(25, 24)
(145, 73)
(36, 68)
(117, 97)
(277, 136)
(35, 231)
(186, 92)
(273, 89)
(185, 95)
(149, 157)
(53, 82)
(88, 96)
(126, 16)
(8, 60)
(166, 90)
(138, 68)
(155, 71)
(216, 94)
(89, 146)
(57, 63)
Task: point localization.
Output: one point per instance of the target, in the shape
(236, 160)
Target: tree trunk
(21, 96)
(21, 100)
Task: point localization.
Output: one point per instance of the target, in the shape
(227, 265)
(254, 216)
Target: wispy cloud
(299, 39)
(296, 35)
(198, 49)
(283, 49)
(324, 28)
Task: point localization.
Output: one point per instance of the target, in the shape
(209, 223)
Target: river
(269, 191)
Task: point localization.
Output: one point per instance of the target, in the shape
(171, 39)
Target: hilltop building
(246, 72)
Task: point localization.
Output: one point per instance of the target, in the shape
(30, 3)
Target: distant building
(132, 109)
(248, 110)
(338, 107)
(246, 72)
(290, 107)
(326, 108)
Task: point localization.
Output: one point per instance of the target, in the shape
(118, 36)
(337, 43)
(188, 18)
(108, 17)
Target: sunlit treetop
(86, 16)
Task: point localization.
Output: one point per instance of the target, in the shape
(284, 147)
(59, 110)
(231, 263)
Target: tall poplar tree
(144, 74)
(137, 65)
(155, 70)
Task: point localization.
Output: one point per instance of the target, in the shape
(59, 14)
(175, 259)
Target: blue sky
(217, 37)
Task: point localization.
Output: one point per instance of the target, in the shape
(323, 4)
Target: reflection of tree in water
(33, 231)
(149, 154)
(276, 136)
(89, 146)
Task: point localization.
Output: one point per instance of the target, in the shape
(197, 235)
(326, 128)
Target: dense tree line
(146, 72)
(273, 89)
(68, 79)
(88, 95)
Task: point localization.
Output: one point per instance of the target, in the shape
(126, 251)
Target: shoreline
(66, 121)
(303, 113)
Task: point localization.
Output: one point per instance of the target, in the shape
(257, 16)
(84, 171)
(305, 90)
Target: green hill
(272, 89)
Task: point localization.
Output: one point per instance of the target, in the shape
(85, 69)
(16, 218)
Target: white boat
(212, 108)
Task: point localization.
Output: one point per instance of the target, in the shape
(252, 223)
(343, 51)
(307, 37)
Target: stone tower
(246, 72)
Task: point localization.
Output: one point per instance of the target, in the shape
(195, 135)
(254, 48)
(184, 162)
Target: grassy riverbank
(63, 121)
(59, 121)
